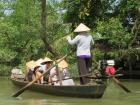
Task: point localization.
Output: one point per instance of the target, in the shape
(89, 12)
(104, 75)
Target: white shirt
(53, 71)
(83, 43)
(42, 68)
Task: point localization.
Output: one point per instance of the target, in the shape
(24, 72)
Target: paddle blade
(22, 89)
(19, 92)
(121, 85)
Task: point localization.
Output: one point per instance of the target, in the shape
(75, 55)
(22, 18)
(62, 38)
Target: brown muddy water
(113, 95)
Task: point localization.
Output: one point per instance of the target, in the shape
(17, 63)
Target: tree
(129, 14)
(87, 11)
(118, 37)
(44, 36)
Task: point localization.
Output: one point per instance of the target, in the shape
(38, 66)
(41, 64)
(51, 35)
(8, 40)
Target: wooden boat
(87, 91)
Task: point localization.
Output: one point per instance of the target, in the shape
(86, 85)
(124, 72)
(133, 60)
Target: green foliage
(132, 4)
(19, 34)
(6, 55)
(6, 39)
(88, 11)
(5, 70)
(20, 31)
(113, 30)
(97, 55)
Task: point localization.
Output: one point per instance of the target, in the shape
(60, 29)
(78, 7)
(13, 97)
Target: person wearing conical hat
(83, 41)
(60, 72)
(30, 64)
(39, 62)
(29, 70)
(64, 73)
(47, 62)
(37, 71)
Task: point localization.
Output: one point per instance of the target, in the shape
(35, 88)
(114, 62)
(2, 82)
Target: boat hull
(87, 91)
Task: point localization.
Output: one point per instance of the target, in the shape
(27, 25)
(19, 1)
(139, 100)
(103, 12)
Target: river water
(113, 95)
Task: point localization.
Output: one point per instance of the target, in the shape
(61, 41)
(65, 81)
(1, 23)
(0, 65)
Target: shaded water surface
(113, 95)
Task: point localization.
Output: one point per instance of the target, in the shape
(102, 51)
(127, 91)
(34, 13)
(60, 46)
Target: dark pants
(83, 67)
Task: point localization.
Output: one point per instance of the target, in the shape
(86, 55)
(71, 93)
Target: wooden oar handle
(121, 85)
(104, 77)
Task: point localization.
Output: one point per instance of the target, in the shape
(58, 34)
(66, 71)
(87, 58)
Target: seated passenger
(47, 62)
(45, 65)
(60, 73)
(110, 69)
(53, 79)
(38, 71)
(29, 70)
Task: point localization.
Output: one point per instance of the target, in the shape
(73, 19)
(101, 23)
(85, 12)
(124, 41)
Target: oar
(30, 83)
(121, 85)
(87, 76)
(103, 77)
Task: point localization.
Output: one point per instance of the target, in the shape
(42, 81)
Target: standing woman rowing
(83, 41)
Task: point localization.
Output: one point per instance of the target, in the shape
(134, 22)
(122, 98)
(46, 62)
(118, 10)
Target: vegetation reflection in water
(114, 95)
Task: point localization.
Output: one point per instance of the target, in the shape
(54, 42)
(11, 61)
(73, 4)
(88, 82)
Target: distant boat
(87, 91)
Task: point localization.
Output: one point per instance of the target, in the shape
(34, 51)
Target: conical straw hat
(30, 64)
(36, 65)
(39, 61)
(63, 64)
(82, 28)
(46, 59)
